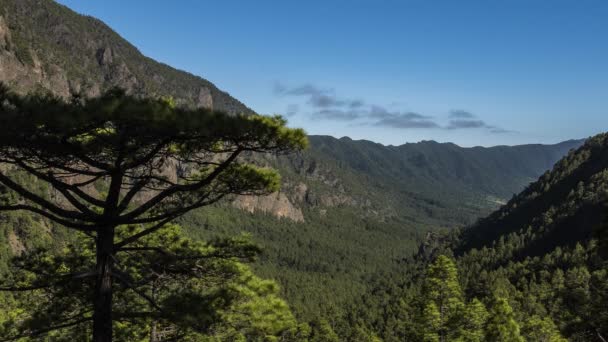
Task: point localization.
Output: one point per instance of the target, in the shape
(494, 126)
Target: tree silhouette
(118, 161)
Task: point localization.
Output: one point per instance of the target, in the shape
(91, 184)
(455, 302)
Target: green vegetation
(130, 145)
(538, 265)
(534, 270)
(355, 202)
(205, 291)
(353, 195)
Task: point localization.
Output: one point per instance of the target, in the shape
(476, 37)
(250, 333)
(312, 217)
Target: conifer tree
(431, 323)
(321, 331)
(473, 322)
(541, 330)
(502, 326)
(118, 161)
(443, 301)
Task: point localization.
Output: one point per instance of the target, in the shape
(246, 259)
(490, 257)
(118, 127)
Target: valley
(352, 242)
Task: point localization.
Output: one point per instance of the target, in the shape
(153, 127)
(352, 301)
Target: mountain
(562, 208)
(46, 45)
(347, 208)
(444, 180)
(543, 254)
(549, 244)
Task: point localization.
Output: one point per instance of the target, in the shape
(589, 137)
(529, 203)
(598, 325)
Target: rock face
(205, 99)
(276, 204)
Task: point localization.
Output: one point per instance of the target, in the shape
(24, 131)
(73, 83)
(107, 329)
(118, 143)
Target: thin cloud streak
(326, 105)
(461, 114)
(463, 124)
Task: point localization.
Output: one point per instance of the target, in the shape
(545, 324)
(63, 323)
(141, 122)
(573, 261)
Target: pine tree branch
(597, 331)
(121, 277)
(67, 277)
(69, 224)
(143, 233)
(48, 330)
(180, 188)
(65, 189)
(68, 214)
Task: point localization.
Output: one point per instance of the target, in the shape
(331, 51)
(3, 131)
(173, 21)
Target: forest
(535, 270)
(139, 202)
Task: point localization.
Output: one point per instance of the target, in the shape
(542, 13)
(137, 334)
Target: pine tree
(321, 331)
(126, 145)
(431, 321)
(474, 321)
(502, 326)
(204, 291)
(443, 301)
(541, 330)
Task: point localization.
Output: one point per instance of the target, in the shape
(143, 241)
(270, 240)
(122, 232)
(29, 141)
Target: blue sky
(470, 72)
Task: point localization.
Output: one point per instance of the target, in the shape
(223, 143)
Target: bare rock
(17, 247)
(300, 192)
(5, 35)
(205, 100)
(105, 56)
(276, 204)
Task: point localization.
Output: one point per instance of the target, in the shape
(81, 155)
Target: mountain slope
(440, 178)
(544, 254)
(549, 245)
(562, 207)
(46, 45)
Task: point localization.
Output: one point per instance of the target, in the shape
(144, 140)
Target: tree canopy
(117, 161)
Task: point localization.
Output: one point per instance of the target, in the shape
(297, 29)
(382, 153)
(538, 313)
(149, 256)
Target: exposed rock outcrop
(276, 204)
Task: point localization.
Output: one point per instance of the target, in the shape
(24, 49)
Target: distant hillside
(433, 184)
(435, 174)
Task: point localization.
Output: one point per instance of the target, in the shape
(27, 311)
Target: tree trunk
(153, 327)
(153, 333)
(102, 300)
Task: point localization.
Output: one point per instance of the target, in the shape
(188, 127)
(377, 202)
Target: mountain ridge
(431, 141)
